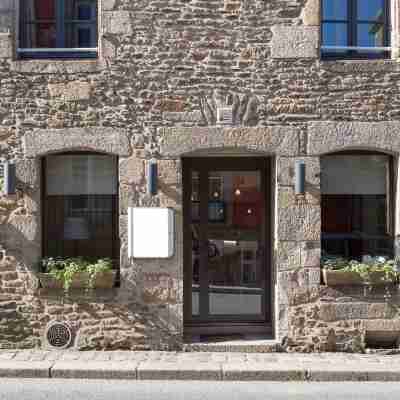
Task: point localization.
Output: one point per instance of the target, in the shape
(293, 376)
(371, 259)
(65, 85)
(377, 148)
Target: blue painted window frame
(351, 21)
(60, 20)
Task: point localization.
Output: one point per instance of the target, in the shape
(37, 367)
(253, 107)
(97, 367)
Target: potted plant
(76, 273)
(337, 271)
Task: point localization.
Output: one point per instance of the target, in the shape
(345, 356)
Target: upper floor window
(355, 29)
(58, 29)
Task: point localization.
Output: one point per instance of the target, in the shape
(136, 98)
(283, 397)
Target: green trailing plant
(102, 265)
(65, 270)
(370, 267)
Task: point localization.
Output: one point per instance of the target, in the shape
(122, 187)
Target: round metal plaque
(59, 335)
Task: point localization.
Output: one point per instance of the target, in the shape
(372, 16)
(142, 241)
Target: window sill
(52, 66)
(360, 65)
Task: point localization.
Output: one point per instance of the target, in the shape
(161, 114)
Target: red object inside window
(247, 208)
(45, 31)
(45, 9)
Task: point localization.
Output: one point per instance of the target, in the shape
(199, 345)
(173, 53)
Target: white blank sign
(151, 232)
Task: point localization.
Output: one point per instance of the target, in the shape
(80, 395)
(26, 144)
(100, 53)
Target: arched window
(80, 206)
(356, 202)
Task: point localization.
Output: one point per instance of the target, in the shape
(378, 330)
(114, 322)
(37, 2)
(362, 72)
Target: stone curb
(94, 370)
(263, 372)
(206, 371)
(203, 371)
(25, 369)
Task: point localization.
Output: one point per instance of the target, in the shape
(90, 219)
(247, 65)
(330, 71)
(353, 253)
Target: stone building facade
(165, 70)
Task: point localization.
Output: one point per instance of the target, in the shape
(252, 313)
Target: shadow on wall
(20, 238)
(16, 323)
(99, 319)
(118, 319)
(169, 191)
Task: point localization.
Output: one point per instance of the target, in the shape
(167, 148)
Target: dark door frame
(225, 324)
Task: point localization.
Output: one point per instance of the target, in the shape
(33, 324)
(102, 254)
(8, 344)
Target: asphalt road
(40, 389)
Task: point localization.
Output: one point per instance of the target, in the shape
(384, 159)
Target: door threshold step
(233, 343)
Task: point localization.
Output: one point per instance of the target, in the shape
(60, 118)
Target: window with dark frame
(356, 205)
(58, 29)
(80, 206)
(355, 29)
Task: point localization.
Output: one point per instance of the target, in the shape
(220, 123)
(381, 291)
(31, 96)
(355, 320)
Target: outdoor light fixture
(300, 178)
(152, 177)
(9, 178)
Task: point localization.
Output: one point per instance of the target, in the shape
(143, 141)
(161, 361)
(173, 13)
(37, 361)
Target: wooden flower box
(344, 278)
(103, 280)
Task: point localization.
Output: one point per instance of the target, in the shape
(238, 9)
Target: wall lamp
(300, 178)
(9, 178)
(152, 177)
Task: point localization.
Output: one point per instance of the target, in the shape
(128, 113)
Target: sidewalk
(198, 366)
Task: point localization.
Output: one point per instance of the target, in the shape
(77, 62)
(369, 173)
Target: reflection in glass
(355, 23)
(38, 24)
(81, 23)
(334, 9)
(370, 35)
(235, 254)
(354, 198)
(195, 212)
(41, 25)
(81, 202)
(370, 10)
(334, 34)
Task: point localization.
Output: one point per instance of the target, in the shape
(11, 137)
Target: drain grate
(59, 335)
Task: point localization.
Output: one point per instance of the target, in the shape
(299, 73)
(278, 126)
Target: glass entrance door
(226, 242)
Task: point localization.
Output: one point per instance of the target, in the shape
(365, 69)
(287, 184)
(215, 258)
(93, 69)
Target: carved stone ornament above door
(228, 108)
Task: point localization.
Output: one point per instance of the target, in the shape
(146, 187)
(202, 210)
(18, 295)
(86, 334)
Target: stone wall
(164, 68)
(345, 319)
(104, 319)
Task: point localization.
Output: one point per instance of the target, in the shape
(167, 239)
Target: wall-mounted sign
(151, 232)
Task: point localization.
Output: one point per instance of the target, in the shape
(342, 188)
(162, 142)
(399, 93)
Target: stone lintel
(105, 140)
(281, 140)
(325, 137)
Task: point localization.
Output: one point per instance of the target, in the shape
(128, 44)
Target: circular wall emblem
(59, 335)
